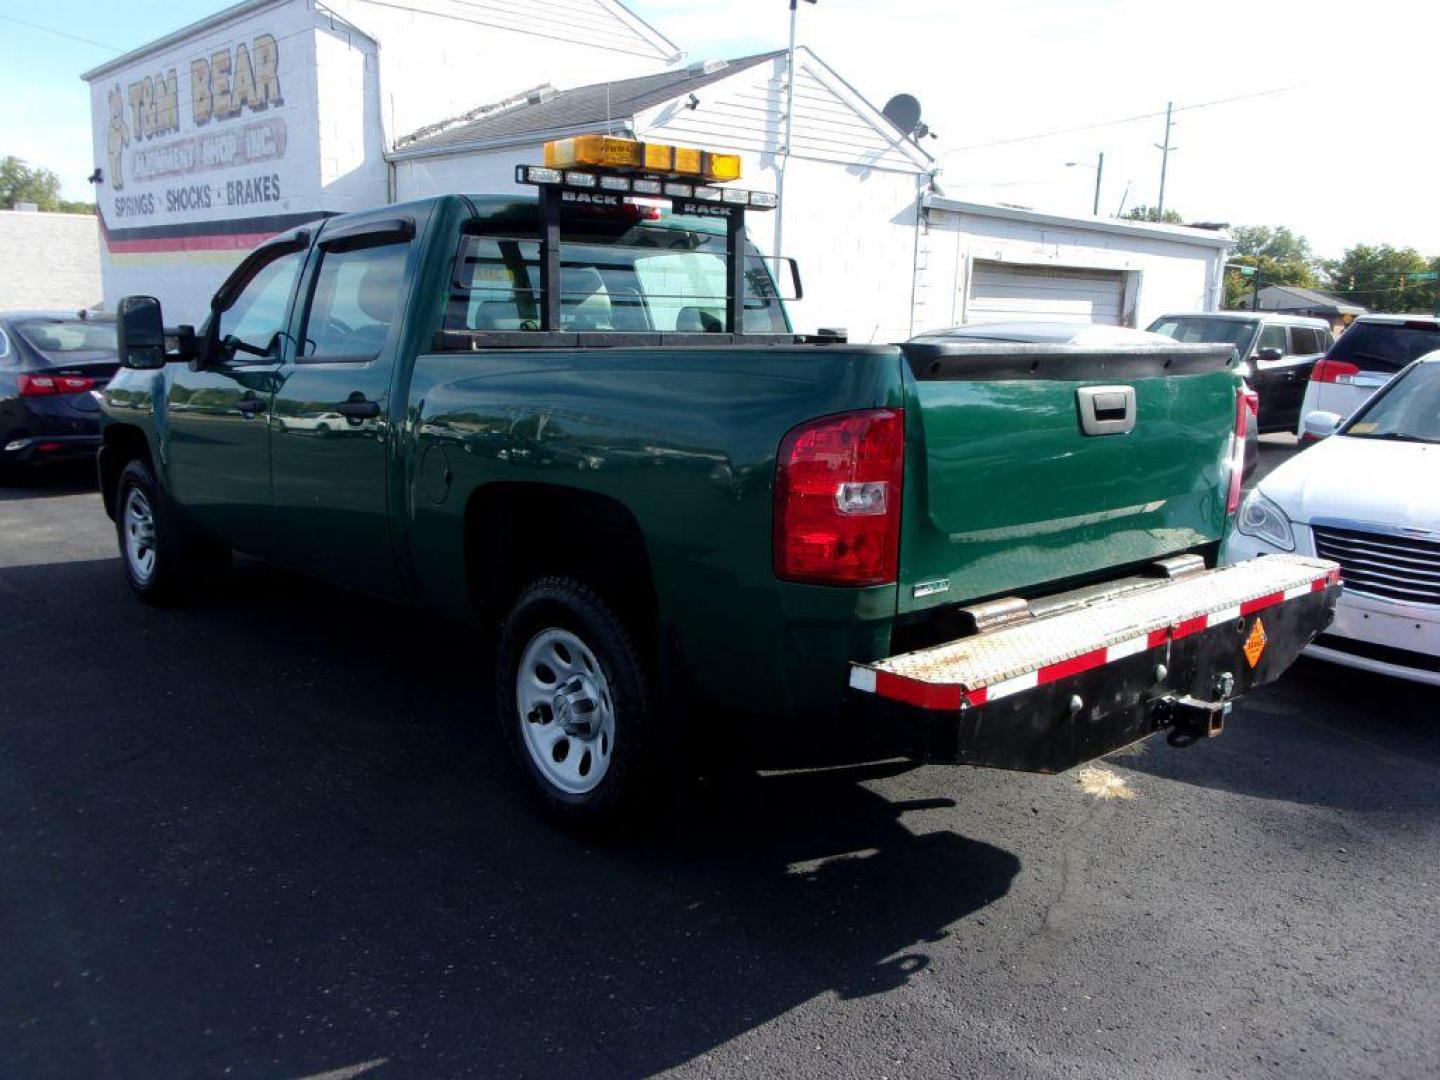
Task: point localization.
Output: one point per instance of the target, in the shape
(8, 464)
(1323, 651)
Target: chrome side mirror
(1321, 424)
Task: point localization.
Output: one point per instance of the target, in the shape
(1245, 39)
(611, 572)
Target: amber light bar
(643, 186)
(658, 159)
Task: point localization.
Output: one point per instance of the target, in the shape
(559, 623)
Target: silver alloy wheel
(567, 715)
(138, 521)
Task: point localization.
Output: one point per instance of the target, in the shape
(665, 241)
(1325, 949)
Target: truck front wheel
(163, 563)
(575, 704)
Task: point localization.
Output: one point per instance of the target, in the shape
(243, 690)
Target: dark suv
(1280, 349)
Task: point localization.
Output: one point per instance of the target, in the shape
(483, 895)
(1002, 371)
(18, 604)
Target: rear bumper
(1051, 693)
(49, 448)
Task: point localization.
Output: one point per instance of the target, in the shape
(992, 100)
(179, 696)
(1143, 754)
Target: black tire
(629, 782)
(182, 564)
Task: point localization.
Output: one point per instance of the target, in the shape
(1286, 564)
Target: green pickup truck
(583, 417)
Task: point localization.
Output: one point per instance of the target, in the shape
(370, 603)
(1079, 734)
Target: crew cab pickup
(583, 417)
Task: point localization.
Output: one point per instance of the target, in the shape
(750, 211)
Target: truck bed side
(681, 440)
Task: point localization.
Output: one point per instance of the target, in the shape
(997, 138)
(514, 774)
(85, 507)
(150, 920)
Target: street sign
(1423, 275)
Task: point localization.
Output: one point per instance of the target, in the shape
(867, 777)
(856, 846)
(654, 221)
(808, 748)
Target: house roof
(1125, 227)
(582, 107)
(1296, 298)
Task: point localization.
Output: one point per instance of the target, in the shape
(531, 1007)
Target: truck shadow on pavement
(277, 835)
(1323, 735)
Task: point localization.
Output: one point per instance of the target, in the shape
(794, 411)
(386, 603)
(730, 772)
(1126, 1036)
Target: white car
(1368, 497)
(1363, 359)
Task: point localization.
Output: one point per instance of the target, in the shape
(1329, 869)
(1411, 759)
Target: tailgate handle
(1106, 410)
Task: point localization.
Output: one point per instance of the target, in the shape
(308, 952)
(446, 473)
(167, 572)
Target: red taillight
(837, 499)
(1334, 371)
(45, 385)
(37, 385)
(1247, 404)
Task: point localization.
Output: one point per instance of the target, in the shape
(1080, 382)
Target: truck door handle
(250, 406)
(358, 410)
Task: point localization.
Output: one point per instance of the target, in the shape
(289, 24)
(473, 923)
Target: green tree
(20, 183)
(1150, 213)
(1282, 257)
(1378, 278)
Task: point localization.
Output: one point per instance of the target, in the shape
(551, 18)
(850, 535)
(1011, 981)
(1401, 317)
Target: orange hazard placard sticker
(1255, 643)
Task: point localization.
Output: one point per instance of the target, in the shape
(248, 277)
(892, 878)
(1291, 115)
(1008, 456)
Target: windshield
(52, 336)
(635, 278)
(1408, 412)
(1193, 330)
(1384, 346)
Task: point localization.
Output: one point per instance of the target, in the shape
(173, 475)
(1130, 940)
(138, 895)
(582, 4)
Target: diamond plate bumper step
(1049, 692)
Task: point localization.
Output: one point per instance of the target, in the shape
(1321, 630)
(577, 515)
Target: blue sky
(1343, 152)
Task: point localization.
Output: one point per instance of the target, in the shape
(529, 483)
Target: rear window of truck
(639, 279)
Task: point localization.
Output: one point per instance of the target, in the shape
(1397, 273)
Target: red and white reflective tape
(928, 695)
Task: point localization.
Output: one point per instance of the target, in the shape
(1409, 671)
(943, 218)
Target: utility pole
(789, 126)
(790, 80)
(1165, 151)
(1099, 168)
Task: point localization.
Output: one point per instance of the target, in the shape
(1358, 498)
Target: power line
(1129, 119)
(61, 33)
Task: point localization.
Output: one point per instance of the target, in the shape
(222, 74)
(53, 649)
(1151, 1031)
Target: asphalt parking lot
(275, 836)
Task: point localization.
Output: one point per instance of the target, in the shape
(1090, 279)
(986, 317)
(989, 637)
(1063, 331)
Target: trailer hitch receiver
(1190, 719)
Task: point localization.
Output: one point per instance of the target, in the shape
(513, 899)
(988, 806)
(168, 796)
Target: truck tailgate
(1007, 490)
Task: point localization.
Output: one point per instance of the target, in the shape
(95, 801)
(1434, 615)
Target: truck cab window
(354, 303)
(258, 313)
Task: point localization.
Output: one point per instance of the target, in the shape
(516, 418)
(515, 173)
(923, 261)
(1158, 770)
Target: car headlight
(1262, 519)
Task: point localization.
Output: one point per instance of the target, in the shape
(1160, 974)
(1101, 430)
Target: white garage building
(274, 112)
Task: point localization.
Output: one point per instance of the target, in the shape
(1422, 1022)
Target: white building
(985, 263)
(277, 111)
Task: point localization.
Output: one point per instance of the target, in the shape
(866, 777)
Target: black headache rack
(559, 189)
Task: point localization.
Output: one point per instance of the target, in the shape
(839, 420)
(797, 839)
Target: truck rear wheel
(164, 564)
(575, 704)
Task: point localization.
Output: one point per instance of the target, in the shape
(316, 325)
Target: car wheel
(576, 705)
(163, 563)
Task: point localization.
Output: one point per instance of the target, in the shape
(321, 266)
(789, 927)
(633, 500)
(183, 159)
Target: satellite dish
(903, 111)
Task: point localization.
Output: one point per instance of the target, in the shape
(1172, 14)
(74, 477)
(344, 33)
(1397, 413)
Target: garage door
(1002, 292)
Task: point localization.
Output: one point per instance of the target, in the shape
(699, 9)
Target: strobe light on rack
(588, 167)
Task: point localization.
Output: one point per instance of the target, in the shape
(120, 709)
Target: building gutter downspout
(922, 223)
